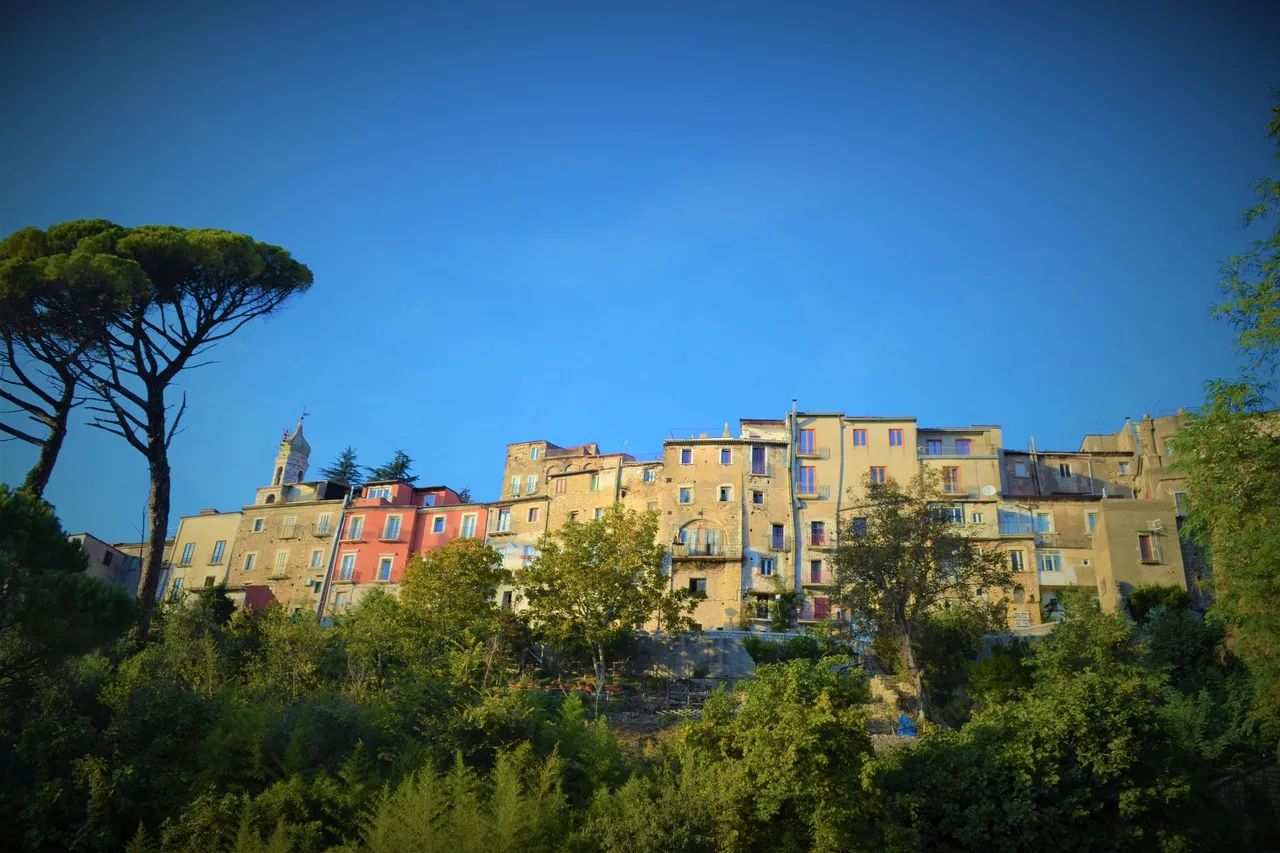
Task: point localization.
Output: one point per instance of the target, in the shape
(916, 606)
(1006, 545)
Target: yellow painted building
(202, 551)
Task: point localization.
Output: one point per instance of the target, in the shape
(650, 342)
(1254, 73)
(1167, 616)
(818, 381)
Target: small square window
(649, 475)
(976, 518)
(259, 524)
(766, 566)
(652, 506)
(534, 453)
(599, 512)
(533, 513)
(725, 494)
(726, 456)
(1019, 469)
(428, 500)
(686, 496)
(686, 456)
(437, 524)
(698, 585)
(208, 581)
(757, 497)
(859, 527)
(877, 474)
(1064, 469)
(1124, 467)
(573, 516)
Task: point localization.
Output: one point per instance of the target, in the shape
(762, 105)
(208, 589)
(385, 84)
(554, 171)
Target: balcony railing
(717, 550)
(820, 540)
(1011, 527)
(761, 469)
(818, 578)
(821, 493)
(951, 488)
(1062, 540)
(779, 543)
(813, 452)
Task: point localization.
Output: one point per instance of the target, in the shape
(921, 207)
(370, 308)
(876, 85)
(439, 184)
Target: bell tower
(292, 460)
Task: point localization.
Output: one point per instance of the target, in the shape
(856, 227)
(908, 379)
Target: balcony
(950, 488)
(820, 540)
(813, 452)
(322, 531)
(818, 493)
(819, 578)
(705, 551)
(779, 543)
(1062, 540)
(1014, 527)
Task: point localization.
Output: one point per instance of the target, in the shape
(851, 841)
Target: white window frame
(443, 523)
(282, 560)
(1064, 469)
(1018, 561)
(399, 519)
(503, 524)
(681, 493)
(250, 561)
(468, 528)
(317, 559)
(561, 485)
(1124, 467)
(1035, 522)
(531, 484)
(341, 600)
(356, 522)
(287, 526)
(429, 500)
(534, 453)
(322, 523)
(721, 491)
(259, 525)
(976, 518)
(649, 475)
(219, 551)
(1090, 522)
(1048, 561)
(342, 566)
(766, 566)
(594, 484)
(515, 485)
(390, 561)
(599, 512)
(188, 551)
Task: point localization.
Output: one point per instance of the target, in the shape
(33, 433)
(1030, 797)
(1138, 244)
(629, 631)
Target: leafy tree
(344, 469)
(397, 469)
(179, 291)
(596, 581)
(452, 587)
(464, 495)
(53, 305)
(784, 611)
(1003, 676)
(900, 559)
(1147, 597)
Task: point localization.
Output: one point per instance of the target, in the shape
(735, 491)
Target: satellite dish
(988, 490)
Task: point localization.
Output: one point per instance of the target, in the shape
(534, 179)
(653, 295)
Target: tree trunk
(599, 679)
(38, 477)
(157, 506)
(916, 673)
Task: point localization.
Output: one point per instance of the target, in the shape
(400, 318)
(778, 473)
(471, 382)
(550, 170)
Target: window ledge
(351, 540)
(384, 539)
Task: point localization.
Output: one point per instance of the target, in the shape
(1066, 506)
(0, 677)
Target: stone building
(284, 544)
(202, 551)
(514, 528)
(110, 563)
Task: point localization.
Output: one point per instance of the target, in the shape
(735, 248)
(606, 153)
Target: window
(815, 571)
(175, 590)
(686, 456)
(976, 518)
(766, 566)
(951, 480)
(437, 524)
(322, 525)
(859, 438)
(726, 456)
(877, 474)
(1017, 561)
(468, 527)
(808, 480)
(533, 514)
(531, 484)
(895, 438)
(282, 560)
(259, 524)
(1168, 450)
(534, 453)
(341, 600)
(759, 465)
(599, 512)
(1049, 561)
(391, 530)
(515, 485)
(383, 492)
(1019, 595)
(1064, 469)
(573, 516)
(821, 608)
(560, 485)
(778, 537)
(428, 500)
(286, 529)
(859, 527)
(817, 533)
(953, 514)
(726, 494)
(651, 506)
(757, 497)
(249, 561)
(1019, 469)
(384, 568)
(595, 483)
(208, 581)
(698, 585)
(1091, 521)
(686, 495)
(1148, 548)
(527, 557)
(806, 441)
(218, 548)
(933, 447)
(187, 551)
(316, 558)
(506, 599)
(1179, 499)
(649, 475)
(347, 568)
(964, 446)
(1044, 522)
(355, 526)
(106, 558)
(504, 520)
(1124, 467)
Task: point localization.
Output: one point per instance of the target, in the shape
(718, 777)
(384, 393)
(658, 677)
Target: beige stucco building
(110, 563)
(202, 551)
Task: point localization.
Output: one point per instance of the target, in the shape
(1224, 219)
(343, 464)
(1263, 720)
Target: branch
(19, 434)
(176, 420)
(25, 405)
(12, 361)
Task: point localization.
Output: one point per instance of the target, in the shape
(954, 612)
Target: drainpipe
(792, 438)
(1091, 475)
(840, 494)
(333, 554)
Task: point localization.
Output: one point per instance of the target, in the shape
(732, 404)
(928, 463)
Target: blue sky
(600, 221)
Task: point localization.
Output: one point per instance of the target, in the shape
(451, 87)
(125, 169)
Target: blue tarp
(906, 726)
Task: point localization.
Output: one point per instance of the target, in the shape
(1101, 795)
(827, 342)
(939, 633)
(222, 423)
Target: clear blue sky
(599, 221)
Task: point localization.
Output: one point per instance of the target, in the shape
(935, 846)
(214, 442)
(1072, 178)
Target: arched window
(270, 499)
(279, 474)
(700, 539)
(1019, 595)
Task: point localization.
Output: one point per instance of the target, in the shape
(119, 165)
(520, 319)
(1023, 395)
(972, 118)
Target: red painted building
(385, 526)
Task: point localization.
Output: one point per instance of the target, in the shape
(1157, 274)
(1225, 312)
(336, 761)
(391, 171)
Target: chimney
(726, 430)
